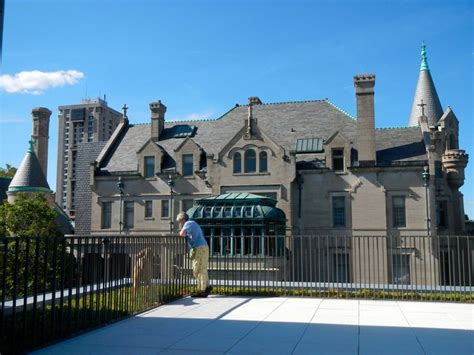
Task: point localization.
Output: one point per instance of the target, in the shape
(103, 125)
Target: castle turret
(29, 177)
(454, 162)
(426, 93)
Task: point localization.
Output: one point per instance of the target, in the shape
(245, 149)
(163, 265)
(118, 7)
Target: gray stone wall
(87, 153)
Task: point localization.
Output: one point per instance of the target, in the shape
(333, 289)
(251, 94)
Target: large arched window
(263, 162)
(250, 161)
(237, 163)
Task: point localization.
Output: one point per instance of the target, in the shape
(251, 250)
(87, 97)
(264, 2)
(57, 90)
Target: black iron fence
(54, 287)
(409, 267)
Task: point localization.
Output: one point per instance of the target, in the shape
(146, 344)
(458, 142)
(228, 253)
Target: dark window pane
(187, 164)
(338, 159)
(250, 161)
(128, 220)
(237, 163)
(401, 269)
(165, 208)
(106, 215)
(263, 162)
(398, 208)
(149, 167)
(339, 211)
(148, 209)
(442, 214)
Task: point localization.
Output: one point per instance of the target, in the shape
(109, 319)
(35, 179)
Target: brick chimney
(40, 136)
(364, 89)
(157, 119)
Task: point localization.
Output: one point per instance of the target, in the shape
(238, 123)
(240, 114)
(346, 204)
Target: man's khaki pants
(200, 265)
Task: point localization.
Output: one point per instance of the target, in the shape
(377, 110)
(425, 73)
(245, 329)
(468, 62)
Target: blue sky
(202, 57)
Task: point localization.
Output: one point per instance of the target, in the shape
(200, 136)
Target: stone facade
(321, 192)
(331, 173)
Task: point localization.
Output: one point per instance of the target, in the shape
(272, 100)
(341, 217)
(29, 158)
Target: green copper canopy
(424, 59)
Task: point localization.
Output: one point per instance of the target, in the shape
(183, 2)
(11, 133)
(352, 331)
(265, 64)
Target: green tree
(37, 245)
(8, 171)
(29, 216)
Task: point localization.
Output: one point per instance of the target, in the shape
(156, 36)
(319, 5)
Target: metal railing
(54, 287)
(411, 267)
(51, 288)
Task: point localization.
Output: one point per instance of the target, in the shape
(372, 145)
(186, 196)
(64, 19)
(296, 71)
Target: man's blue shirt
(194, 235)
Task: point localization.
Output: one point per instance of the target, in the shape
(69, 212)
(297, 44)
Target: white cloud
(36, 82)
(11, 119)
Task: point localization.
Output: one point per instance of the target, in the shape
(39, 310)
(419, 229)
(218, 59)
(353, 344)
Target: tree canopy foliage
(7, 171)
(29, 216)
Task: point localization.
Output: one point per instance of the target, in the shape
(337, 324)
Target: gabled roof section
(185, 141)
(150, 142)
(426, 91)
(29, 177)
(282, 123)
(448, 115)
(119, 131)
(337, 134)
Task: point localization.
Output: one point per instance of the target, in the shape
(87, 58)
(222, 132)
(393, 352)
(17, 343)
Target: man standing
(195, 238)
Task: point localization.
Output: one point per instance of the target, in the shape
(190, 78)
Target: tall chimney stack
(40, 136)
(158, 111)
(364, 89)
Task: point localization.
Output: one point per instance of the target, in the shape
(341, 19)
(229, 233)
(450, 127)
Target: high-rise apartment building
(90, 121)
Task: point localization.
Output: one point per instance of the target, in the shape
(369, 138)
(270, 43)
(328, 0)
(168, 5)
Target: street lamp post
(120, 187)
(426, 178)
(171, 185)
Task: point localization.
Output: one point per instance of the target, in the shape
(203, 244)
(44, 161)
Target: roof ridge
(284, 102)
(340, 109)
(399, 127)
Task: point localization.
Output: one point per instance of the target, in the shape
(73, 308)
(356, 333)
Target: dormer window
(149, 166)
(338, 159)
(250, 161)
(237, 163)
(187, 165)
(263, 162)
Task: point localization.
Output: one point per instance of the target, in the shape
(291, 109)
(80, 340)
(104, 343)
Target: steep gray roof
(283, 122)
(29, 176)
(426, 91)
(399, 144)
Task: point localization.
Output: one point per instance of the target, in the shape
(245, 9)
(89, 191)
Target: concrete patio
(250, 325)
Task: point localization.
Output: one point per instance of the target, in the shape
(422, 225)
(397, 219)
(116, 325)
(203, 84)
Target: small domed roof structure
(29, 177)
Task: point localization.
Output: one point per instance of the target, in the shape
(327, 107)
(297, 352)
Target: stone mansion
(329, 172)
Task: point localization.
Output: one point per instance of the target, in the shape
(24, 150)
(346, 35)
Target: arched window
(237, 163)
(263, 162)
(250, 161)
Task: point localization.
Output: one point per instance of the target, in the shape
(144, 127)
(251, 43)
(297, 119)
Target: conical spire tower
(29, 177)
(426, 91)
